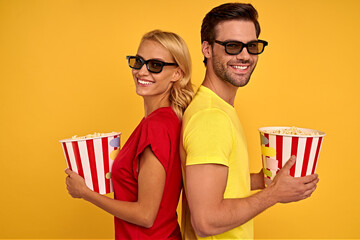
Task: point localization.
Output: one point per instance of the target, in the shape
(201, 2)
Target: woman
(146, 174)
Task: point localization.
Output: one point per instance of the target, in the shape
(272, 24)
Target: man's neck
(223, 89)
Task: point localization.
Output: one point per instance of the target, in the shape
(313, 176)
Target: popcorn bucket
(92, 158)
(278, 144)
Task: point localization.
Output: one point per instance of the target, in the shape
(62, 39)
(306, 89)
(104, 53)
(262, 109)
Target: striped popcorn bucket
(92, 158)
(277, 148)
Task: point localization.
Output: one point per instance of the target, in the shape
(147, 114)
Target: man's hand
(286, 188)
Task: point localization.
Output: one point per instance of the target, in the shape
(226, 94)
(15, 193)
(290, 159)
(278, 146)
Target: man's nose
(243, 55)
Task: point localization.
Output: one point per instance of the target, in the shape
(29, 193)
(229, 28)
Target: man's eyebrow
(232, 40)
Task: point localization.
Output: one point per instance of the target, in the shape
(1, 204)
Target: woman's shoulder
(163, 118)
(163, 114)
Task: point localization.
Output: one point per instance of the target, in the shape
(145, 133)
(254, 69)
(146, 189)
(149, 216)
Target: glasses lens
(234, 47)
(261, 47)
(155, 66)
(135, 62)
(254, 47)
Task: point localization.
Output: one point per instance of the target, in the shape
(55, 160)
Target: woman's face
(150, 84)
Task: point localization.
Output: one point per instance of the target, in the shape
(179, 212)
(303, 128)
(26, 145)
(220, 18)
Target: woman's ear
(178, 74)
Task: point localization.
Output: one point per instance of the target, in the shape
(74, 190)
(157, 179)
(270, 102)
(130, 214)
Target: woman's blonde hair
(182, 91)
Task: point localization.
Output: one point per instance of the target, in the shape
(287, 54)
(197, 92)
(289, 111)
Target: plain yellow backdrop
(63, 72)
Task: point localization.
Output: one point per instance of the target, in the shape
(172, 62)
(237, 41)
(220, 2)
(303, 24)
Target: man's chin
(240, 83)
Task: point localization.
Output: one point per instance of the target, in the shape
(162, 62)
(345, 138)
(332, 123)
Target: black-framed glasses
(153, 65)
(235, 47)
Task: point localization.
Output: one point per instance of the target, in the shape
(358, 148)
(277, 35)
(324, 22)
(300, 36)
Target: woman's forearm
(132, 212)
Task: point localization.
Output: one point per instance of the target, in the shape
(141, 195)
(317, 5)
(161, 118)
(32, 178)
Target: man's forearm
(219, 215)
(231, 213)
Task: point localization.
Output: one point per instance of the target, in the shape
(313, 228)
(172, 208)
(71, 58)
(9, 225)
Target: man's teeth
(240, 67)
(144, 82)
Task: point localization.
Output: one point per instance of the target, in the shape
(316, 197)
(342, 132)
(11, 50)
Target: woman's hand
(75, 184)
(143, 212)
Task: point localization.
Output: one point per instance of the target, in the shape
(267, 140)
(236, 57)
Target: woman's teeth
(144, 82)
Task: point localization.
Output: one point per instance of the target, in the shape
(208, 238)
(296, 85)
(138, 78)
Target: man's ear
(206, 49)
(178, 74)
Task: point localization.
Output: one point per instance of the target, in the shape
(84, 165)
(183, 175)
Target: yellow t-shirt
(212, 134)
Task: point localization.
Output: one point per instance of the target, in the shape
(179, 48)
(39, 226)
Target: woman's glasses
(153, 65)
(235, 47)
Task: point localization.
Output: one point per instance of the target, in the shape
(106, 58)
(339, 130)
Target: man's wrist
(270, 195)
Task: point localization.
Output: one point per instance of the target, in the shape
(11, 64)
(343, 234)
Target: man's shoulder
(205, 117)
(203, 113)
(204, 102)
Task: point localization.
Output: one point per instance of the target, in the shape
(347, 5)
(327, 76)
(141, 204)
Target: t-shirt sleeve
(156, 135)
(208, 138)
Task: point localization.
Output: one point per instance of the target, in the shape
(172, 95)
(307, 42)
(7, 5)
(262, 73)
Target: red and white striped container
(92, 158)
(276, 150)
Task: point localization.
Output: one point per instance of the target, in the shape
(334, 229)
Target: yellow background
(63, 72)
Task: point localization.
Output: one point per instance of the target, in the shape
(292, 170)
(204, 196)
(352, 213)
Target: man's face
(235, 69)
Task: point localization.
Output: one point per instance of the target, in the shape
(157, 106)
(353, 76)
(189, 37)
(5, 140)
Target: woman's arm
(151, 186)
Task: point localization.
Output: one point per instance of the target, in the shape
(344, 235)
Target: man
(214, 154)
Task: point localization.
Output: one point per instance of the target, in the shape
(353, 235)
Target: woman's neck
(152, 103)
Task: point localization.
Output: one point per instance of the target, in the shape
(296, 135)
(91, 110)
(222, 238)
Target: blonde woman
(147, 172)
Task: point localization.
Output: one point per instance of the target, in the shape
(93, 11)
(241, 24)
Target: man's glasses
(154, 66)
(235, 47)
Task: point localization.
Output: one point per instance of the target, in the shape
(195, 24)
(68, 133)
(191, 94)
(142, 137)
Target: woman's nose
(143, 70)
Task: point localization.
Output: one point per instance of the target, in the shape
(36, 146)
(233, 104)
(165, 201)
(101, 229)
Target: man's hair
(226, 12)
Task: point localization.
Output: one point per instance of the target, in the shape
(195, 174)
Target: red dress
(160, 130)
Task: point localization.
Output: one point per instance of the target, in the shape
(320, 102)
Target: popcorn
(293, 131)
(93, 135)
(92, 156)
(278, 144)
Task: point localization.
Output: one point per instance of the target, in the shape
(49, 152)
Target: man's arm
(257, 180)
(211, 214)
